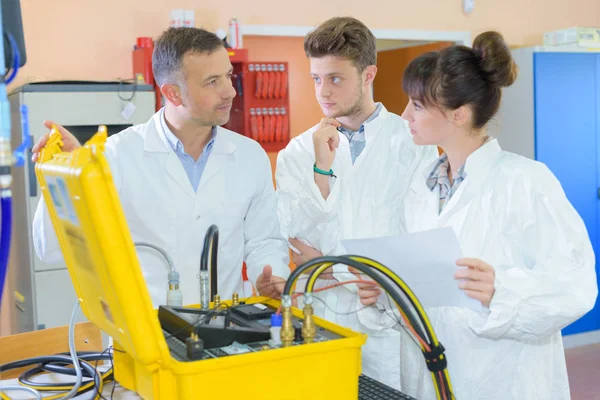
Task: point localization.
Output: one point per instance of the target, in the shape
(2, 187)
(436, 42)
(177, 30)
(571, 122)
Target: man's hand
(269, 285)
(70, 142)
(478, 279)
(325, 140)
(307, 253)
(368, 293)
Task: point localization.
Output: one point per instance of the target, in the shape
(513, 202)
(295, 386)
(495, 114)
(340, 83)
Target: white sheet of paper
(425, 261)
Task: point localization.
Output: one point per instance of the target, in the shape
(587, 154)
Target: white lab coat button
(197, 217)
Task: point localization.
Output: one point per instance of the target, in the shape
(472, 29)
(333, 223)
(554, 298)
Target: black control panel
(193, 334)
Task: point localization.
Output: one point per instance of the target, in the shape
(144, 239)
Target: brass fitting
(217, 302)
(287, 329)
(235, 301)
(309, 329)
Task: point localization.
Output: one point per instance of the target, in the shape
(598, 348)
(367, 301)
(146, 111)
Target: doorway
(393, 56)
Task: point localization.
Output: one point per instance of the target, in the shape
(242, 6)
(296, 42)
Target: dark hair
(343, 37)
(173, 44)
(458, 76)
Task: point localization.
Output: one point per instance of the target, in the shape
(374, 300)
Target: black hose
(48, 359)
(214, 250)
(410, 299)
(367, 270)
(210, 248)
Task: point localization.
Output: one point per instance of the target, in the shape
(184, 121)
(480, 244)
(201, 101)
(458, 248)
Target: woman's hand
(478, 279)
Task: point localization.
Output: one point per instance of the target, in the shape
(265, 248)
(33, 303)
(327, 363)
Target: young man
(181, 172)
(345, 177)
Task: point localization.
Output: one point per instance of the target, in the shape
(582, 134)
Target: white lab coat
(363, 203)
(512, 213)
(236, 193)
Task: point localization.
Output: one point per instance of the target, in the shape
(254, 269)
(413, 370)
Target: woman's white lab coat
(362, 204)
(236, 193)
(512, 213)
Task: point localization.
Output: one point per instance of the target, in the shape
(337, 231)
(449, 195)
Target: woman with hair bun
(530, 261)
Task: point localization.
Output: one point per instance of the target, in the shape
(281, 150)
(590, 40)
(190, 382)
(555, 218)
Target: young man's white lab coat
(235, 192)
(364, 202)
(511, 213)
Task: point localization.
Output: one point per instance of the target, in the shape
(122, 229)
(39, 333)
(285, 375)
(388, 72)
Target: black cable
(208, 317)
(414, 305)
(48, 359)
(367, 270)
(62, 367)
(449, 392)
(48, 364)
(31, 361)
(121, 82)
(25, 377)
(440, 382)
(193, 324)
(112, 368)
(421, 329)
(65, 370)
(214, 250)
(204, 255)
(211, 244)
(52, 368)
(86, 356)
(399, 322)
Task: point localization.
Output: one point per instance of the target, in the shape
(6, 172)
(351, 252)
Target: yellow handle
(53, 145)
(98, 139)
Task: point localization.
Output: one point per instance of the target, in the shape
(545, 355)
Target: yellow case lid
(98, 249)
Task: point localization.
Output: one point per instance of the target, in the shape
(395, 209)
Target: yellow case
(102, 262)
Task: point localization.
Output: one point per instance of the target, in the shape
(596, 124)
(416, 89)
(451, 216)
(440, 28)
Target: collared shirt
(439, 178)
(356, 139)
(193, 168)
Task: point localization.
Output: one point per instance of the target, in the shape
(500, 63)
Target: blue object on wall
(567, 140)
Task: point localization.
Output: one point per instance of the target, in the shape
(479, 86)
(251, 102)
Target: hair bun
(495, 59)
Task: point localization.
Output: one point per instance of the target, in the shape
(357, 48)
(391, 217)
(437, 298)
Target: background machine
(39, 295)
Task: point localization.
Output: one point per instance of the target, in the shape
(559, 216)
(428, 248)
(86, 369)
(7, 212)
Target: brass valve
(287, 329)
(309, 329)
